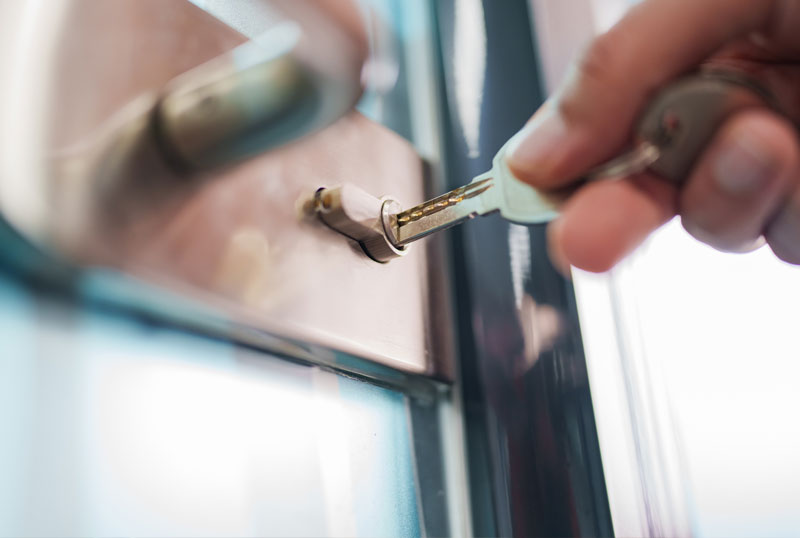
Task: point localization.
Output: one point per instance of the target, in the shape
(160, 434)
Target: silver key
(499, 191)
(494, 191)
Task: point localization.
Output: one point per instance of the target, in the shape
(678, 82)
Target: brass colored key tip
(444, 201)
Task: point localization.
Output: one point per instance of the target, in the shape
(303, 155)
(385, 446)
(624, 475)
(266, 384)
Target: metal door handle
(252, 99)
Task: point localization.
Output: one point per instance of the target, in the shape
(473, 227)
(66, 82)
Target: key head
(684, 117)
(515, 200)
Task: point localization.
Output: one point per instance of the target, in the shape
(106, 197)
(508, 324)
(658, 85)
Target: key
(494, 191)
(671, 134)
(499, 191)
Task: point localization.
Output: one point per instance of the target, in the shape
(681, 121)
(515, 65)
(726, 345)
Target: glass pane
(115, 426)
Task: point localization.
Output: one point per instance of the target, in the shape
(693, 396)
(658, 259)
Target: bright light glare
(194, 446)
(723, 328)
(722, 331)
(470, 41)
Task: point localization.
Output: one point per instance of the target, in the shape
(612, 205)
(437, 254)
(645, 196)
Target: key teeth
(444, 201)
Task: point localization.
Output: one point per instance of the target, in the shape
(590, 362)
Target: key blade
(445, 201)
(493, 191)
(443, 211)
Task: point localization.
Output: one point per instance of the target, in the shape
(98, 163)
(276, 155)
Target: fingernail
(744, 165)
(534, 149)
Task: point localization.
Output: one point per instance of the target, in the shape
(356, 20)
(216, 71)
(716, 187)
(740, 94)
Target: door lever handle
(250, 100)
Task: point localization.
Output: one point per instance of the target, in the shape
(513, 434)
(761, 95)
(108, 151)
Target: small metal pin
(635, 161)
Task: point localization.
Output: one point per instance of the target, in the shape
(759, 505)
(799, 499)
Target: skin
(590, 118)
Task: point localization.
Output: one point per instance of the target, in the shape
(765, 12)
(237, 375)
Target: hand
(743, 190)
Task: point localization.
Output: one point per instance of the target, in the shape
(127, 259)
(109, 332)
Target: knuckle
(598, 61)
(598, 69)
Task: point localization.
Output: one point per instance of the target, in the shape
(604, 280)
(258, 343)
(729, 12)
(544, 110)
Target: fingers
(745, 186)
(590, 117)
(606, 220)
(741, 181)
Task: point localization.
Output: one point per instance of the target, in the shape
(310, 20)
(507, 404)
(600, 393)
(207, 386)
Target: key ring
(637, 160)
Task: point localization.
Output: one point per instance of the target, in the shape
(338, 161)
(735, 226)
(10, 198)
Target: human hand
(743, 190)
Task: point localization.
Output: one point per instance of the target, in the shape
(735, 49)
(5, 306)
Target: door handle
(252, 99)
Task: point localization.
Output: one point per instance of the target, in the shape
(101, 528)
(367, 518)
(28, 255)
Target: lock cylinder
(362, 217)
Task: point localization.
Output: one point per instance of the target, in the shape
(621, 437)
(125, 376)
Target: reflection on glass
(114, 427)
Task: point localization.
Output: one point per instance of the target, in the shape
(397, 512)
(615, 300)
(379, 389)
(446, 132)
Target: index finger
(589, 119)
